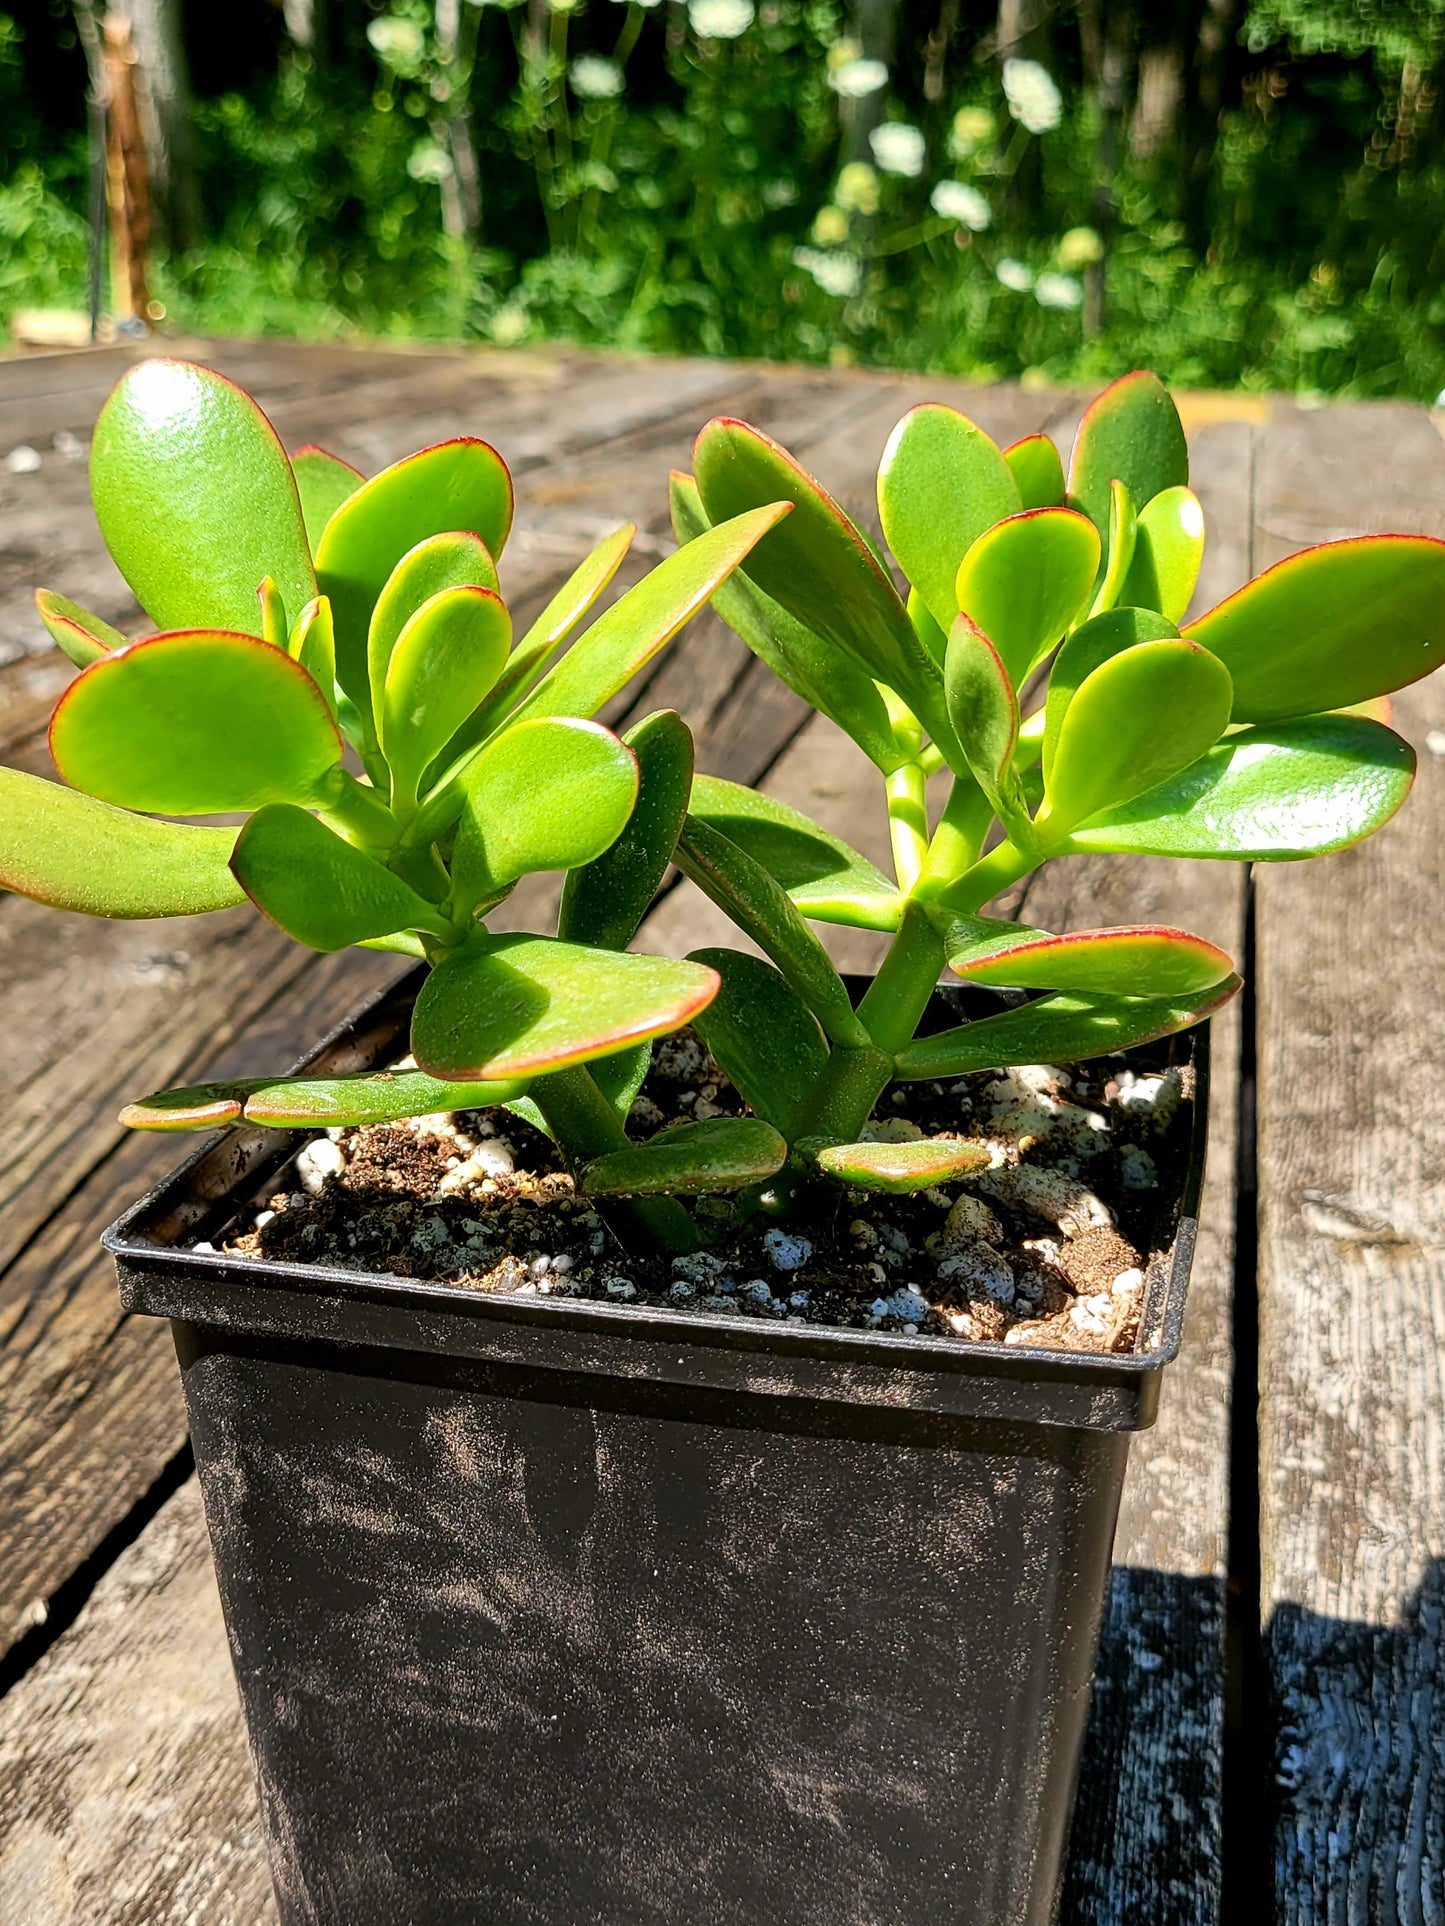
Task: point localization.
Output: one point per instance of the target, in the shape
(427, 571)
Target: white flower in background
(840, 274)
(858, 78)
(857, 188)
(972, 126)
(429, 162)
(957, 201)
(1079, 247)
(398, 43)
(720, 19)
(1015, 275)
(898, 149)
(1032, 97)
(594, 78)
(830, 229)
(1058, 291)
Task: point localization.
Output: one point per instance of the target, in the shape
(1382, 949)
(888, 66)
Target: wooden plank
(1352, 1269)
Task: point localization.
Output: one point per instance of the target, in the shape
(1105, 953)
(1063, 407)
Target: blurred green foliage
(715, 179)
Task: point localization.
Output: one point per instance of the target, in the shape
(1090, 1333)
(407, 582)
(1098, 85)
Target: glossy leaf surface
(74, 630)
(1168, 552)
(75, 853)
(1273, 792)
(762, 1034)
(1331, 626)
(816, 669)
(323, 482)
(194, 723)
(1035, 465)
(195, 498)
(1119, 549)
(319, 888)
(1130, 433)
(1150, 960)
(982, 707)
(823, 876)
(900, 1168)
(1063, 1028)
(1025, 579)
(313, 645)
(757, 903)
(548, 794)
(1140, 718)
(443, 664)
(942, 481)
(604, 901)
(454, 560)
(460, 484)
(579, 593)
(1092, 644)
(301, 1103)
(691, 1159)
(507, 1006)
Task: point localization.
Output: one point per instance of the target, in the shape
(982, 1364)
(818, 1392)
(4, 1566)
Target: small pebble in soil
(786, 1252)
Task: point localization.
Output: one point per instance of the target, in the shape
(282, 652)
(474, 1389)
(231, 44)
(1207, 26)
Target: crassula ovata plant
(333, 660)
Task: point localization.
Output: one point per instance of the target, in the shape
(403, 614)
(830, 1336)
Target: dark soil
(1047, 1247)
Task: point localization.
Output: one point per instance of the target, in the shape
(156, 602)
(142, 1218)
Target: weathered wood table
(1268, 1738)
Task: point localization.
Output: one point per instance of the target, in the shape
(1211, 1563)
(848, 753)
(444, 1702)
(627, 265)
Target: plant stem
(585, 1126)
(957, 839)
(1002, 866)
(357, 812)
(908, 823)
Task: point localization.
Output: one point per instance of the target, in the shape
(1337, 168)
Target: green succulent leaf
(942, 482)
(311, 1103)
(1130, 433)
(579, 593)
(930, 635)
(762, 1034)
(825, 878)
(511, 1006)
(323, 482)
(1025, 579)
(817, 670)
(462, 484)
(1065, 1027)
(1270, 793)
(691, 1159)
(982, 708)
(319, 888)
(1150, 960)
(1091, 645)
(1168, 552)
(275, 627)
(196, 1106)
(313, 645)
(619, 1078)
(1035, 465)
(1140, 718)
(552, 793)
(1331, 626)
(900, 1168)
(1123, 536)
(195, 498)
(75, 853)
(452, 560)
(195, 723)
(760, 907)
(442, 665)
(604, 901)
(74, 630)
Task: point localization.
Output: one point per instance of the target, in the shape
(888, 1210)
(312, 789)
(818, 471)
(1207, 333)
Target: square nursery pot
(577, 1614)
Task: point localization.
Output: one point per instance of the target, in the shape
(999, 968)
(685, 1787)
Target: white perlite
(1048, 1194)
(317, 1161)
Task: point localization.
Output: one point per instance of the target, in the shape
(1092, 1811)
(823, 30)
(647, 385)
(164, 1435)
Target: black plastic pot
(581, 1615)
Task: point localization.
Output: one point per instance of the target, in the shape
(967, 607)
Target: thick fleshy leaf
(301, 1103)
(1119, 549)
(816, 563)
(1168, 551)
(275, 625)
(443, 664)
(456, 559)
(75, 853)
(823, 876)
(579, 593)
(547, 794)
(756, 902)
(942, 481)
(313, 645)
(1150, 960)
(462, 484)
(195, 498)
(1331, 626)
(816, 669)
(982, 707)
(194, 723)
(900, 1168)
(604, 901)
(1063, 1028)
(1092, 644)
(74, 630)
(1035, 465)
(1267, 794)
(689, 1160)
(1025, 579)
(323, 482)
(1130, 433)
(762, 1034)
(619, 1078)
(627, 636)
(195, 1106)
(1140, 718)
(511, 1006)
(932, 637)
(319, 888)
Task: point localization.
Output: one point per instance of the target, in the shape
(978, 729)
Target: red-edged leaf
(1150, 960)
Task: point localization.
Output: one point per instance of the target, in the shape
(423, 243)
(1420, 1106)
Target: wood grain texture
(1352, 1269)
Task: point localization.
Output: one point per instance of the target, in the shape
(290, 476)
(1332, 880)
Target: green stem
(356, 811)
(586, 1126)
(957, 839)
(908, 823)
(1002, 866)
